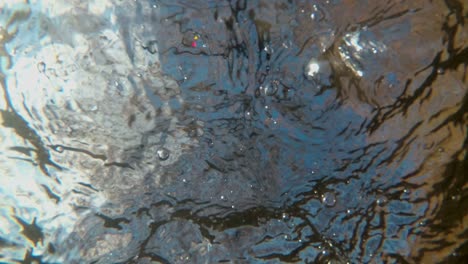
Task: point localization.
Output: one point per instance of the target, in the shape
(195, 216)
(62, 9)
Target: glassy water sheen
(262, 131)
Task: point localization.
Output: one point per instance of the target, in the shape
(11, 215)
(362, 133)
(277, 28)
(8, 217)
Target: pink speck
(194, 44)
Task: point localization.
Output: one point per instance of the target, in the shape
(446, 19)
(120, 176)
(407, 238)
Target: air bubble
(312, 69)
(152, 47)
(271, 89)
(59, 149)
(317, 14)
(163, 154)
(328, 199)
(381, 201)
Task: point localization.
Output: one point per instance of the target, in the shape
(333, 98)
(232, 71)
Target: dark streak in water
(16, 122)
(50, 194)
(113, 222)
(31, 231)
(84, 151)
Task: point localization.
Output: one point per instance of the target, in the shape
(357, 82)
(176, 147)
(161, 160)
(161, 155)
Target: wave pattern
(234, 131)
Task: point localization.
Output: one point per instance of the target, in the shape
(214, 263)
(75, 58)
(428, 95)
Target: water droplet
(329, 199)
(163, 154)
(349, 211)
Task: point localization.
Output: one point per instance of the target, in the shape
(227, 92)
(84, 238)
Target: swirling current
(233, 131)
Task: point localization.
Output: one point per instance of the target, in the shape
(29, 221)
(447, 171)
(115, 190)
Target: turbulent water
(224, 131)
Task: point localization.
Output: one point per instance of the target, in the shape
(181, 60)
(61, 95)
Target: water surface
(233, 131)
